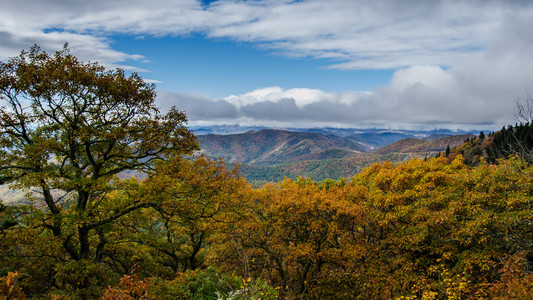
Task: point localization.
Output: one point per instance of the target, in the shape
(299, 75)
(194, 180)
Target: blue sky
(309, 63)
(221, 67)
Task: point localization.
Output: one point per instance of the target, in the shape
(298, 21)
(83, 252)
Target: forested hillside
(322, 168)
(435, 228)
(270, 155)
(510, 140)
(422, 148)
(273, 146)
(426, 229)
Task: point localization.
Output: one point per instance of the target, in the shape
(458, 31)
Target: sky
(403, 64)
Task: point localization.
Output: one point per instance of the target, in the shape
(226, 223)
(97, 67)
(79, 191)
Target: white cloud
(86, 47)
(151, 80)
(418, 96)
(301, 96)
(359, 34)
(197, 106)
(456, 61)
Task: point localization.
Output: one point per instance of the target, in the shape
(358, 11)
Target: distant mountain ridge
(368, 134)
(272, 154)
(273, 146)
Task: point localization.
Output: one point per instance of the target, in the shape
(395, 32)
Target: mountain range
(272, 154)
(274, 146)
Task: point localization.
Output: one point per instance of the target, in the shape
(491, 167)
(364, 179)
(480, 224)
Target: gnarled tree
(71, 126)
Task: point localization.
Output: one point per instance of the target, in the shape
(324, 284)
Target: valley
(269, 155)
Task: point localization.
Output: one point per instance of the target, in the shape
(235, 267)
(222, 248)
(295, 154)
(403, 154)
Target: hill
(400, 146)
(423, 146)
(509, 141)
(269, 155)
(274, 146)
(317, 170)
(381, 138)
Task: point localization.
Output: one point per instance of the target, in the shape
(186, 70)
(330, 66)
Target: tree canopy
(440, 228)
(67, 128)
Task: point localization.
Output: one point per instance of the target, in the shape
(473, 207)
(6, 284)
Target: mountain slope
(379, 139)
(400, 146)
(317, 170)
(271, 154)
(273, 146)
(414, 145)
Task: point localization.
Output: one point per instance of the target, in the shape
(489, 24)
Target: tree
(294, 233)
(194, 197)
(523, 110)
(67, 128)
(521, 136)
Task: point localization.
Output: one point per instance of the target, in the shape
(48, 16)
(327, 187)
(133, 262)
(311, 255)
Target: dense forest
(459, 226)
(514, 140)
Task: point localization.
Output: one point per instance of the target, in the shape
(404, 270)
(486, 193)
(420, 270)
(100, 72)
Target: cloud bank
(478, 92)
(417, 97)
(358, 34)
(456, 61)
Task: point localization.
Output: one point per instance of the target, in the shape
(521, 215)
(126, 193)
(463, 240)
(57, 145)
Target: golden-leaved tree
(67, 128)
(193, 229)
(433, 229)
(190, 200)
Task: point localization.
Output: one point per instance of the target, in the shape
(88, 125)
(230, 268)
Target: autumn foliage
(192, 228)
(419, 230)
(422, 229)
